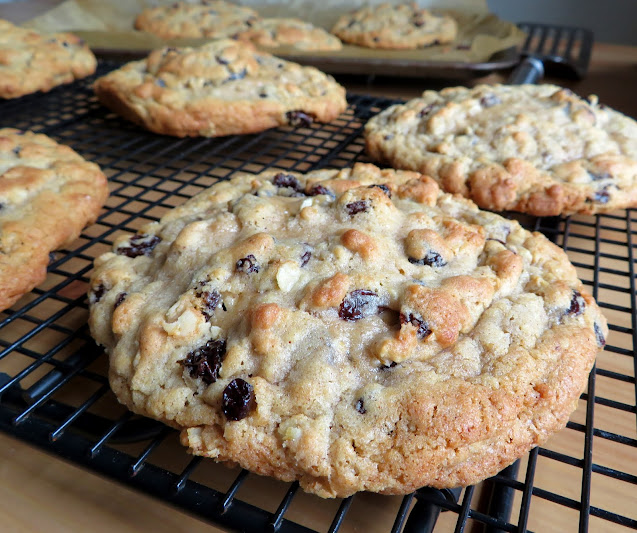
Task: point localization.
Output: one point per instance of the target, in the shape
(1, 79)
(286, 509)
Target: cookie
(48, 193)
(210, 18)
(222, 88)
(275, 32)
(539, 149)
(391, 26)
(352, 329)
(30, 61)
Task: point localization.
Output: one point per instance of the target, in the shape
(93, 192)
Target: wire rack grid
(54, 391)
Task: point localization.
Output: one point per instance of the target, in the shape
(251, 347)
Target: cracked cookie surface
(210, 18)
(352, 329)
(30, 61)
(48, 193)
(275, 32)
(220, 20)
(392, 26)
(538, 149)
(222, 88)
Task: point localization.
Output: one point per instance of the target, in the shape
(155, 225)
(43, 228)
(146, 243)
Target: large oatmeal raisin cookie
(352, 329)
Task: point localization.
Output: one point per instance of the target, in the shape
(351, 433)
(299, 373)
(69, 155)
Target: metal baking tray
(411, 68)
(484, 44)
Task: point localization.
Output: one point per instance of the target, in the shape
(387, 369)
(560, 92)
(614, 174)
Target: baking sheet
(484, 41)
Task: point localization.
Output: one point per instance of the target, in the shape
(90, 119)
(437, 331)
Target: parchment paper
(108, 26)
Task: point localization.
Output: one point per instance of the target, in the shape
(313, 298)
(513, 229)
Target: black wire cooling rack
(54, 392)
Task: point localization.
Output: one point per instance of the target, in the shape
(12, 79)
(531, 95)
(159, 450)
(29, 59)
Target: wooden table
(41, 493)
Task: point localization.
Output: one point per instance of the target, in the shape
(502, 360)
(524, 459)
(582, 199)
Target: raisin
(383, 188)
(319, 189)
(299, 119)
(602, 196)
(139, 245)
(601, 341)
(360, 406)
(248, 264)
(425, 111)
(287, 180)
(490, 100)
(359, 206)
(263, 95)
(423, 329)
(419, 23)
(205, 362)
(210, 301)
(98, 292)
(307, 255)
(237, 75)
(358, 304)
(388, 137)
(238, 399)
(118, 301)
(17, 150)
(160, 83)
(577, 304)
(432, 258)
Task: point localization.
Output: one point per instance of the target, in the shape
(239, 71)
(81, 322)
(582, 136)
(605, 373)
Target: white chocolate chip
(290, 433)
(306, 203)
(186, 325)
(175, 311)
(287, 275)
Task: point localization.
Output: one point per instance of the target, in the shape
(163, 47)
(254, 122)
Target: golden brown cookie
(209, 18)
(539, 149)
(48, 193)
(219, 19)
(276, 32)
(395, 26)
(222, 88)
(30, 61)
(352, 329)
